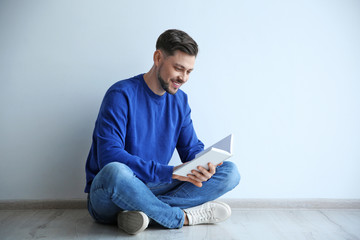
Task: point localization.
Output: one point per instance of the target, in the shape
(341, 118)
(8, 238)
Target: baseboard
(294, 203)
(42, 204)
(234, 203)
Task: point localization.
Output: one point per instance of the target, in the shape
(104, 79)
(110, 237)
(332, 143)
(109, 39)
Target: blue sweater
(141, 129)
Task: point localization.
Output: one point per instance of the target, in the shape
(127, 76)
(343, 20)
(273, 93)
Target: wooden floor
(262, 224)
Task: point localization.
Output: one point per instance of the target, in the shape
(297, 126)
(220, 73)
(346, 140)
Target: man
(140, 123)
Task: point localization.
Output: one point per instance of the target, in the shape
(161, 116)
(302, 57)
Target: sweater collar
(150, 92)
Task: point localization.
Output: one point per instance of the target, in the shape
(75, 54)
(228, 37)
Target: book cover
(215, 154)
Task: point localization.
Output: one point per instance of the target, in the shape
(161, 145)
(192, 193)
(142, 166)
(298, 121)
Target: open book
(215, 154)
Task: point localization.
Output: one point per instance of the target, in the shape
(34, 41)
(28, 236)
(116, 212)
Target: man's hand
(197, 176)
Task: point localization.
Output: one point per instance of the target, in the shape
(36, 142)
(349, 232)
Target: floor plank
(254, 224)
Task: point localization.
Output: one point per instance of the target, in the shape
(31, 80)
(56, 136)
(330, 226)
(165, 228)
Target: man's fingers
(207, 173)
(203, 175)
(193, 180)
(212, 168)
(198, 176)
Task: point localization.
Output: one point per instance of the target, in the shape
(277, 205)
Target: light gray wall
(283, 76)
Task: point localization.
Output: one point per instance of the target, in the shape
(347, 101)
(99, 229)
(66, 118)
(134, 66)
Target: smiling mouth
(176, 84)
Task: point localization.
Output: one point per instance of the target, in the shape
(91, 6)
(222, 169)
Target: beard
(165, 85)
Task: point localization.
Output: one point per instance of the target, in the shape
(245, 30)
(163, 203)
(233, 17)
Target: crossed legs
(115, 188)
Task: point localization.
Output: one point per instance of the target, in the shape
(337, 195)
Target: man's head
(174, 60)
(172, 40)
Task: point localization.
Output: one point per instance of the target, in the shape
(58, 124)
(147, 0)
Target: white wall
(283, 76)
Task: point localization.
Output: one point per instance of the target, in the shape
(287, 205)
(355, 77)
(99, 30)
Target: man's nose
(183, 77)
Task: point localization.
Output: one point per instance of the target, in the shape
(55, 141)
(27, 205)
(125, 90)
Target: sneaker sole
(225, 212)
(132, 222)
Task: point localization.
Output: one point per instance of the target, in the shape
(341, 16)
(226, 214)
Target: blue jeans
(115, 188)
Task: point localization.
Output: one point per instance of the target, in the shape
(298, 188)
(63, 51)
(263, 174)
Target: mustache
(178, 80)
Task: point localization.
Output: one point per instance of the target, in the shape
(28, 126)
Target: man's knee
(115, 173)
(115, 168)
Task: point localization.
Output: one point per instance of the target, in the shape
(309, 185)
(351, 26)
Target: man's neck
(153, 83)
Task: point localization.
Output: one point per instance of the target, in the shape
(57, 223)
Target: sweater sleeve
(188, 144)
(110, 137)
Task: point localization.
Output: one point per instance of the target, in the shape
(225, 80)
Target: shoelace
(202, 215)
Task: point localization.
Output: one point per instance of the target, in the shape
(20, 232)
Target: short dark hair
(173, 39)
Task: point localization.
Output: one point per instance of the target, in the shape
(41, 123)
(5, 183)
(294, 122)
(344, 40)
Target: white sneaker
(132, 222)
(210, 212)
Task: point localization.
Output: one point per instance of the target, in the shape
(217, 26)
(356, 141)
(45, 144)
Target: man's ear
(158, 55)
